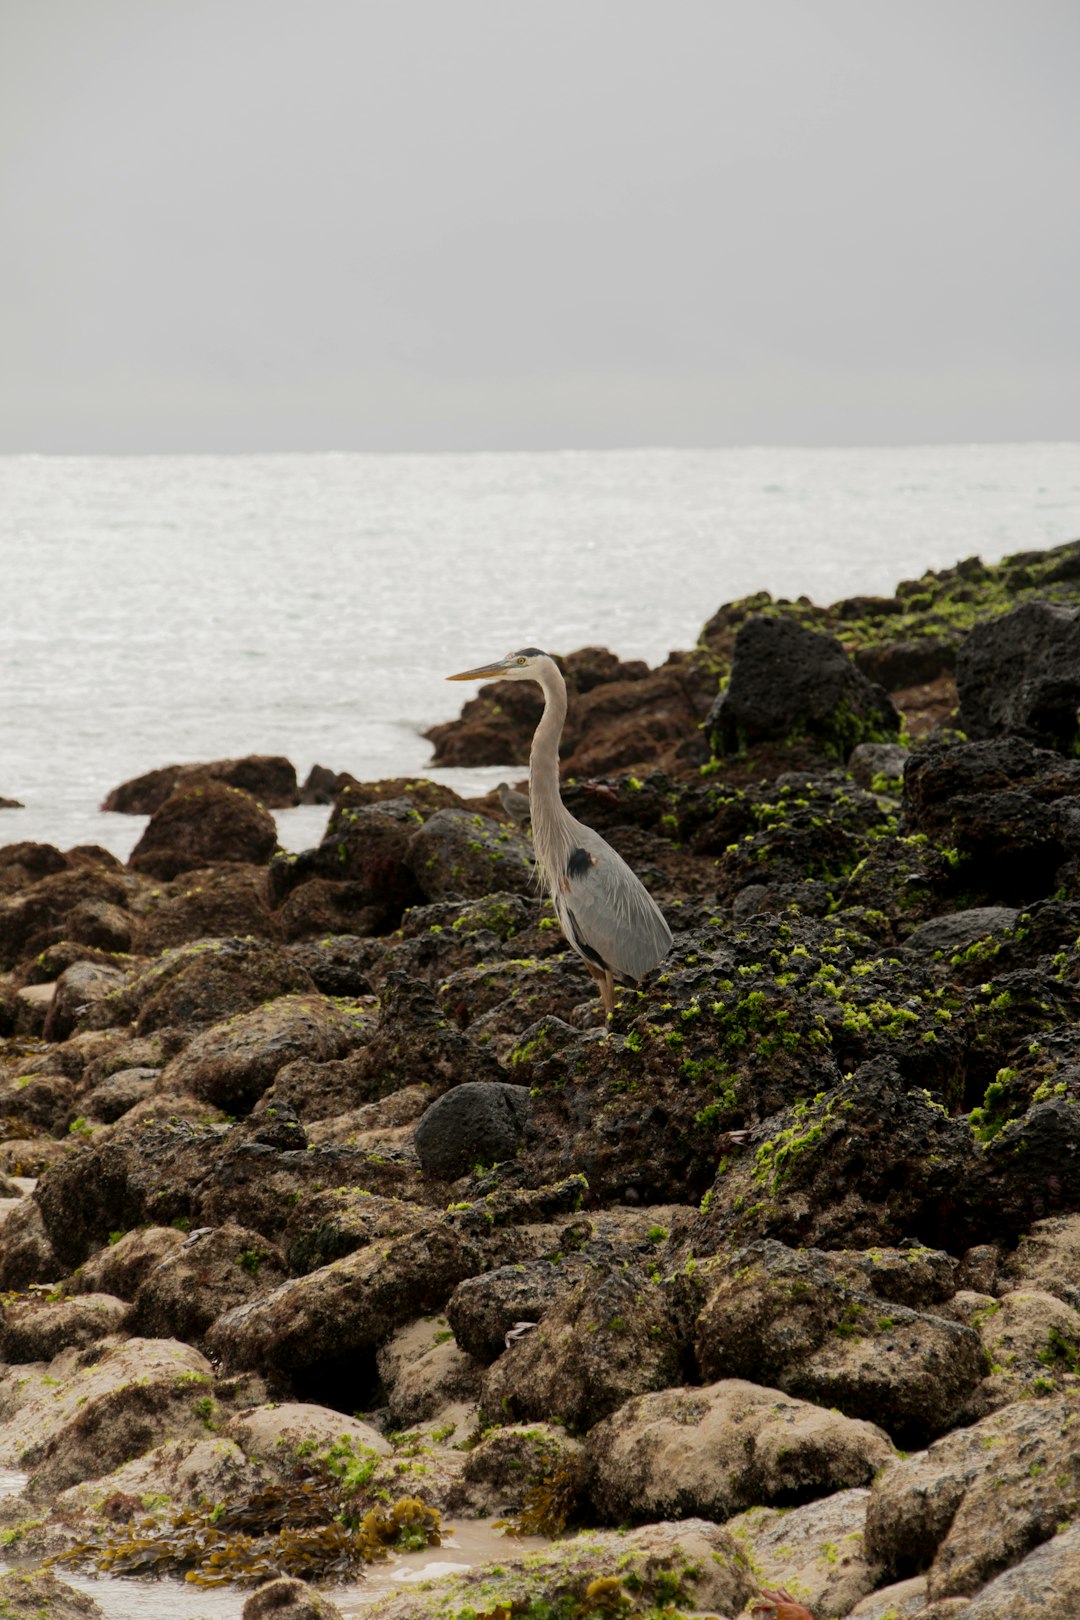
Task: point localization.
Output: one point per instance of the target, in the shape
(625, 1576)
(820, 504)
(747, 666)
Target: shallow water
(159, 609)
(465, 1544)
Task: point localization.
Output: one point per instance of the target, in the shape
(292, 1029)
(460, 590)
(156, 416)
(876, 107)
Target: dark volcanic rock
(1020, 674)
(360, 869)
(476, 1123)
(463, 855)
(1011, 810)
(268, 777)
(203, 823)
(788, 681)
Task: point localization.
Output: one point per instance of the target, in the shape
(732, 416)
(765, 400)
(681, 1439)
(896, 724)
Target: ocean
(159, 609)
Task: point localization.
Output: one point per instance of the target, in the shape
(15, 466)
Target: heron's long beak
(480, 673)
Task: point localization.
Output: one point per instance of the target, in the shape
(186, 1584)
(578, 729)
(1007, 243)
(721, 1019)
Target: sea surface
(156, 609)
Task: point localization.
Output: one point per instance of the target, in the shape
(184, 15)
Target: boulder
(121, 1267)
(287, 1432)
(694, 1566)
(462, 854)
(37, 1328)
(815, 1550)
(799, 1321)
(313, 1325)
(210, 1272)
(289, 1599)
(34, 917)
(23, 863)
(33, 1594)
(479, 1122)
(364, 856)
(78, 988)
(194, 985)
(484, 1309)
(959, 930)
(268, 777)
(112, 1099)
(423, 1371)
(93, 1409)
(980, 1498)
(1032, 1345)
(98, 923)
(1043, 1586)
(209, 902)
(1019, 674)
(789, 681)
(201, 824)
(609, 1338)
(1011, 810)
(26, 1254)
(878, 762)
(722, 1448)
(232, 1063)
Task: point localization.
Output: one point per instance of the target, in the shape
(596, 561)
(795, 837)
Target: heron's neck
(545, 803)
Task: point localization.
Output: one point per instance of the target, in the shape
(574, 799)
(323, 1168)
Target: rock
(959, 929)
(483, 1309)
(23, 863)
(457, 853)
(231, 1064)
(424, 1371)
(330, 1223)
(693, 1565)
(479, 1122)
(722, 1448)
(1048, 1258)
(361, 867)
(210, 902)
(35, 916)
(269, 778)
(32, 1594)
(197, 825)
(112, 1099)
(1019, 674)
(26, 1254)
(787, 680)
(1032, 1344)
(106, 927)
(797, 1320)
(878, 762)
(609, 1338)
(44, 1100)
(93, 1409)
(121, 1267)
(287, 1432)
(514, 1459)
(1043, 1586)
(1009, 809)
(206, 983)
(314, 1327)
(37, 1329)
(77, 989)
(11, 804)
(187, 1473)
(903, 1600)
(289, 1599)
(200, 1279)
(321, 786)
(815, 1550)
(979, 1498)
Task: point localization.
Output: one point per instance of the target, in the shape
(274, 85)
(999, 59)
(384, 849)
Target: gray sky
(529, 224)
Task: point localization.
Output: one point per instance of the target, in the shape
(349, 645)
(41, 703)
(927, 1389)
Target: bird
(608, 916)
(515, 804)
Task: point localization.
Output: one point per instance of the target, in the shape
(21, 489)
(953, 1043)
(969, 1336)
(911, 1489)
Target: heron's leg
(605, 984)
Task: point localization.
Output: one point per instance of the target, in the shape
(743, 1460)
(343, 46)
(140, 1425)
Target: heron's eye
(521, 660)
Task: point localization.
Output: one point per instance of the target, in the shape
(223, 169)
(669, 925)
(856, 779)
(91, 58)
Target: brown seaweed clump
(308, 1528)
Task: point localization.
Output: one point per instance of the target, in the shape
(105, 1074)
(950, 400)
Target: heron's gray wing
(611, 915)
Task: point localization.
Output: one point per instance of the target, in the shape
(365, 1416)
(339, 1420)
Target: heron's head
(524, 665)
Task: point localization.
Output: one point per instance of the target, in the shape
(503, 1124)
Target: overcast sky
(530, 224)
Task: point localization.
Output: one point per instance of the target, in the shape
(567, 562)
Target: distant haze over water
(161, 609)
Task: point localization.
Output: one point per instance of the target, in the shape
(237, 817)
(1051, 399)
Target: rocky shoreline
(330, 1206)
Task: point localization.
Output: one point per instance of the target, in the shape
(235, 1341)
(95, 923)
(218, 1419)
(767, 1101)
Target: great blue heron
(606, 913)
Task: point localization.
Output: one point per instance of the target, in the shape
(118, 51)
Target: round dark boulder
(480, 1122)
(205, 823)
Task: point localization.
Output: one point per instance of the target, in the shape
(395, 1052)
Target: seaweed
(313, 1527)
